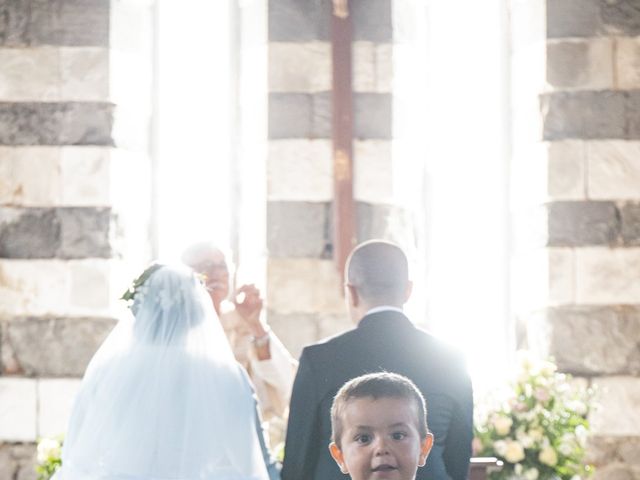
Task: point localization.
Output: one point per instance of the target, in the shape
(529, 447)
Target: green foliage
(130, 294)
(539, 430)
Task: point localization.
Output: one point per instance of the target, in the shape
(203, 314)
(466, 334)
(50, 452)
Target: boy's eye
(398, 435)
(363, 438)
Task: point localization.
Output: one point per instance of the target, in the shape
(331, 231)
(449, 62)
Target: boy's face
(380, 440)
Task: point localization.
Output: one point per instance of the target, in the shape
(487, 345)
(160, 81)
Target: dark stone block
(589, 340)
(567, 64)
(586, 115)
(298, 229)
(621, 17)
(54, 347)
(631, 224)
(290, 115)
(633, 115)
(54, 22)
(372, 20)
(85, 232)
(582, 223)
(29, 233)
(385, 222)
(321, 121)
(64, 123)
(299, 20)
(373, 117)
(573, 18)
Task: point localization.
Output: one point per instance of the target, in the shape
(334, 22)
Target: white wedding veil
(163, 397)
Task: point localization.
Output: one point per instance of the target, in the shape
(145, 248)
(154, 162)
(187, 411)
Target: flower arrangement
(539, 430)
(48, 459)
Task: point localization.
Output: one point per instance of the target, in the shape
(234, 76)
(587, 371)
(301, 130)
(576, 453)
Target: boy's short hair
(377, 385)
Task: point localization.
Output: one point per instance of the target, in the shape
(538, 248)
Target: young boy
(379, 428)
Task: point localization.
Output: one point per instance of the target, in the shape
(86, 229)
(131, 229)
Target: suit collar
(385, 317)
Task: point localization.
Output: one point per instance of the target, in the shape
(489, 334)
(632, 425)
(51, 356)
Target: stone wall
(576, 201)
(74, 112)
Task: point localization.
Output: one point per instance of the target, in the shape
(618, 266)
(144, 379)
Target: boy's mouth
(385, 467)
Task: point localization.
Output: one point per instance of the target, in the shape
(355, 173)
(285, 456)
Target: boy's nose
(381, 447)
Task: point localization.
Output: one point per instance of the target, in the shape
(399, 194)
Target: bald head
(198, 253)
(379, 271)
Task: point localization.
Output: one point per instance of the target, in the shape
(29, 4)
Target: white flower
(565, 449)
(581, 435)
(526, 440)
(514, 452)
(577, 406)
(48, 448)
(502, 425)
(536, 434)
(548, 456)
(500, 447)
(531, 474)
(517, 469)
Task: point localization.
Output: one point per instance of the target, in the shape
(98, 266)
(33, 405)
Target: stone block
(30, 176)
(372, 116)
(54, 347)
(321, 119)
(290, 115)
(543, 278)
(84, 74)
(386, 222)
(90, 282)
(573, 18)
(85, 173)
(17, 409)
(584, 115)
(331, 325)
(613, 169)
(85, 232)
(304, 285)
(299, 21)
(299, 169)
(55, 123)
(17, 461)
(633, 114)
(617, 394)
(621, 17)
(29, 74)
(29, 233)
(54, 22)
(372, 67)
(55, 400)
(580, 64)
(589, 340)
(627, 63)
(607, 276)
(371, 20)
(295, 330)
(298, 229)
(373, 172)
(566, 170)
(630, 214)
(299, 67)
(572, 224)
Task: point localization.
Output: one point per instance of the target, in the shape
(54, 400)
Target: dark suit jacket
(382, 341)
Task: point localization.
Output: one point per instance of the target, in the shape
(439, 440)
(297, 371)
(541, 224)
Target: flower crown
(130, 294)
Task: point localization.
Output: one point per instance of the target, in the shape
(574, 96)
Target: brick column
(74, 97)
(577, 203)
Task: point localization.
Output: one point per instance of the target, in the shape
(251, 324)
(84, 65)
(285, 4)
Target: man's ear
(408, 290)
(336, 453)
(425, 448)
(353, 295)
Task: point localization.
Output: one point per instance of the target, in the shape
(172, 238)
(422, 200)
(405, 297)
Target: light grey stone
(295, 330)
(371, 20)
(29, 233)
(299, 20)
(607, 276)
(585, 115)
(627, 63)
(299, 67)
(17, 461)
(582, 223)
(18, 405)
(589, 340)
(55, 347)
(621, 17)
(290, 115)
(619, 416)
(85, 232)
(630, 214)
(384, 222)
(573, 18)
(298, 229)
(56, 123)
(581, 64)
(614, 472)
(613, 169)
(372, 115)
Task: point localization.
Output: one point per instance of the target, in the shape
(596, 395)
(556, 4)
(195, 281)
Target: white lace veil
(163, 397)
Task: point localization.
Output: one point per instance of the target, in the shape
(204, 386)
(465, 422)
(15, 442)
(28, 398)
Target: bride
(163, 397)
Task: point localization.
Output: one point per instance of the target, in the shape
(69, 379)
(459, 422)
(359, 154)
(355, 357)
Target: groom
(384, 339)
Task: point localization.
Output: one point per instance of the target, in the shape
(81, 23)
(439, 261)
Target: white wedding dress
(163, 398)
